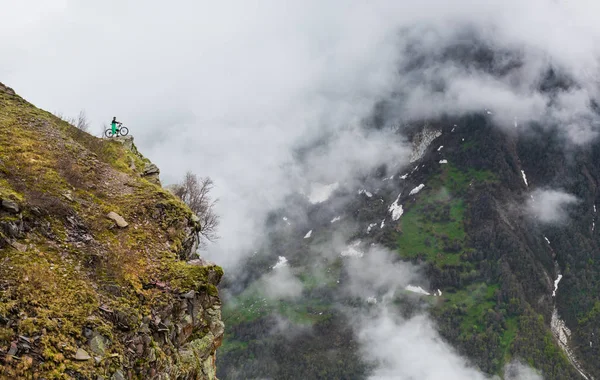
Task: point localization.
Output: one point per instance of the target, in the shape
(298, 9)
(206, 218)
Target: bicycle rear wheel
(123, 131)
(108, 133)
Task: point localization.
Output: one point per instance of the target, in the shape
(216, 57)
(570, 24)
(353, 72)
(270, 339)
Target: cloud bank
(404, 348)
(234, 90)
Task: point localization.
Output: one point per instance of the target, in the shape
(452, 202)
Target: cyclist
(113, 125)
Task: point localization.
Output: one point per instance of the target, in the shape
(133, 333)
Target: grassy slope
(55, 288)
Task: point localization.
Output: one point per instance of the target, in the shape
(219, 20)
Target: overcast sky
(228, 89)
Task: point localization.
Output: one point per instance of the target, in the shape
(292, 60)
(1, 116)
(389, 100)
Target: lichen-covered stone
(82, 355)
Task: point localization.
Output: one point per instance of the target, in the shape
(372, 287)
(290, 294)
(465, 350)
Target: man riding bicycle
(113, 125)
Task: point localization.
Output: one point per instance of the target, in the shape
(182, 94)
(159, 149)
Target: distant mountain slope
(463, 211)
(98, 277)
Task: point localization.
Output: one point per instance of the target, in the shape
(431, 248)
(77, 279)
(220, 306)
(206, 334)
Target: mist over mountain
(406, 189)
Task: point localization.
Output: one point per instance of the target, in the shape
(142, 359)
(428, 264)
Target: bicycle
(121, 131)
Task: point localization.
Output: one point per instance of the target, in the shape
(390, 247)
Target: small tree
(194, 192)
(80, 122)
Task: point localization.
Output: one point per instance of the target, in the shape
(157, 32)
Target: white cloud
(280, 283)
(404, 348)
(550, 206)
(519, 371)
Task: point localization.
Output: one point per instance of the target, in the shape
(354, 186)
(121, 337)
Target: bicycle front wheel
(108, 133)
(123, 131)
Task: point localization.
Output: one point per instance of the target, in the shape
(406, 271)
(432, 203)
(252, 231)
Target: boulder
(151, 169)
(10, 206)
(118, 219)
(127, 142)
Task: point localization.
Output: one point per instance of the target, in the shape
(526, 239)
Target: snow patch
(382, 224)
(371, 300)
(336, 219)
(285, 219)
(440, 148)
(422, 141)
(417, 289)
(365, 192)
(416, 189)
(396, 210)
(404, 176)
(594, 209)
(556, 284)
(352, 250)
(308, 234)
(371, 227)
(438, 293)
(443, 161)
(281, 262)
(524, 177)
(547, 241)
(320, 193)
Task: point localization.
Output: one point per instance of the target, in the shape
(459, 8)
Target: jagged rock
(12, 229)
(7, 89)
(127, 142)
(118, 375)
(151, 169)
(151, 173)
(189, 246)
(82, 355)
(10, 206)
(118, 219)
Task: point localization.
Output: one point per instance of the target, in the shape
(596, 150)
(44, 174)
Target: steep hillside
(499, 278)
(98, 272)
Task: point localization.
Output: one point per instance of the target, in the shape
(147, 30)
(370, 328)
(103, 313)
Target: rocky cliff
(99, 277)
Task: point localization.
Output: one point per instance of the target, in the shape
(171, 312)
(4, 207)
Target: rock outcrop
(99, 272)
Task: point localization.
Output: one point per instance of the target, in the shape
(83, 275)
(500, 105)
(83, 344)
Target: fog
(231, 90)
(550, 206)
